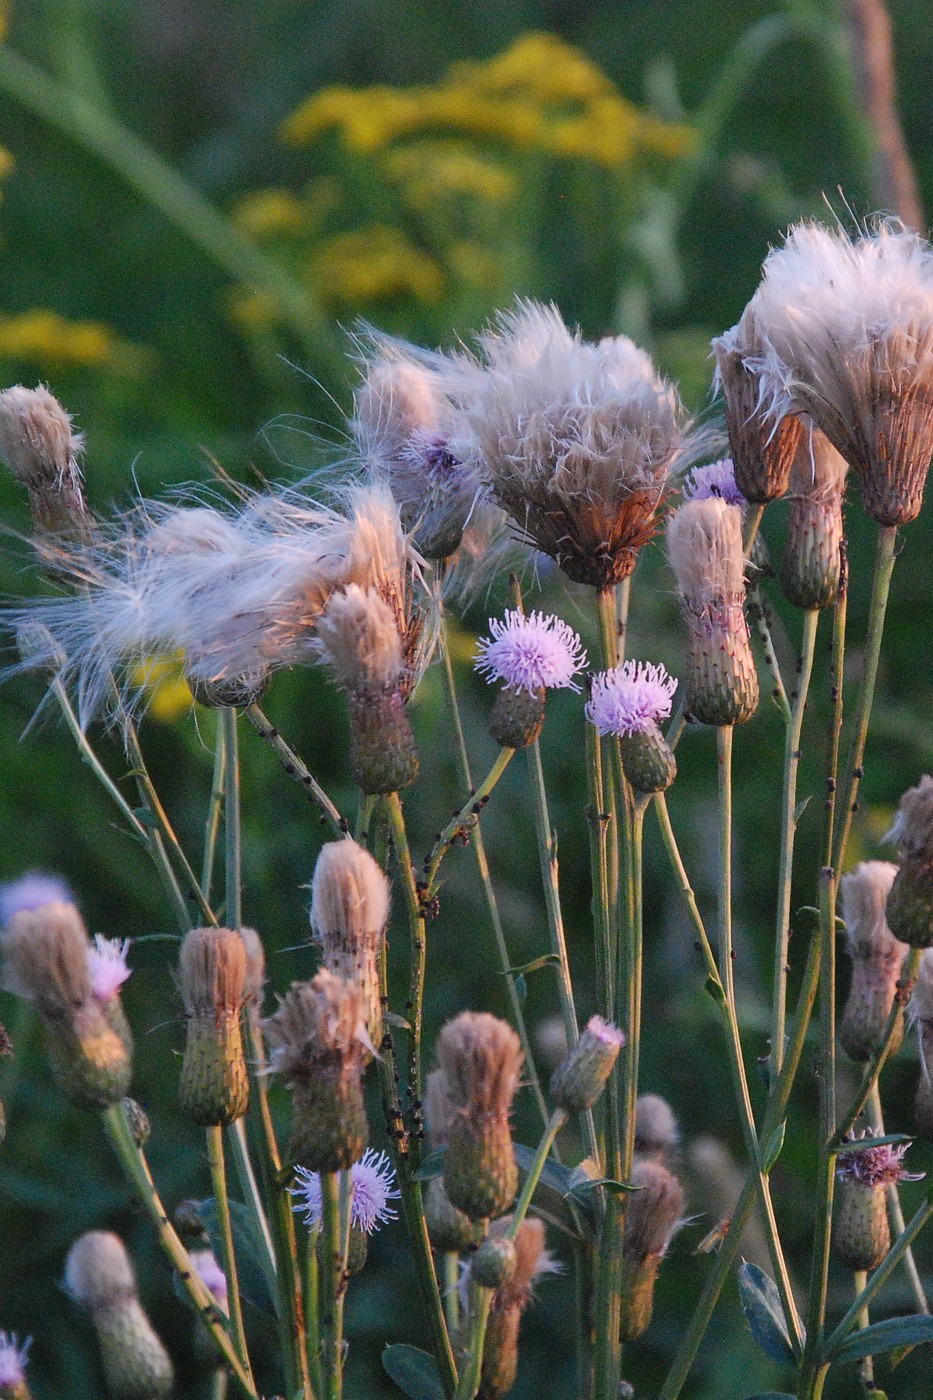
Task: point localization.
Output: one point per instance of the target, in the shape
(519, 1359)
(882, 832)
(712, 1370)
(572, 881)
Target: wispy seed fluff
(350, 898)
(481, 1058)
(813, 551)
(877, 959)
(652, 1215)
(99, 1277)
(530, 653)
(861, 1231)
(403, 417)
(849, 330)
(910, 903)
(704, 545)
(920, 1012)
(318, 1042)
(47, 961)
(762, 451)
(450, 1230)
(574, 441)
(40, 447)
(214, 1082)
(629, 702)
(656, 1132)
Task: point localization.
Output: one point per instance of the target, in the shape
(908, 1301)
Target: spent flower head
(631, 698)
(532, 651)
(875, 1166)
(373, 1189)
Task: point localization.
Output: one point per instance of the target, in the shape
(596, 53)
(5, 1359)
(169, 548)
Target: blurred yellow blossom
(541, 66)
(162, 681)
(265, 213)
(6, 163)
(431, 170)
(49, 340)
(374, 264)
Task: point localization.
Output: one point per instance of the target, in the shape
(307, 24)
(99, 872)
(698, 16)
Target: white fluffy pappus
(704, 546)
(350, 894)
(107, 965)
(574, 441)
(848, 323)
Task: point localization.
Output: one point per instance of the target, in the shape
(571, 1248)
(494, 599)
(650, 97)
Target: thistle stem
(556, 1121)
(450, 1272)
(788, 833)
(239, 1147)
(297, 770)
(331, 1286)
(865, 1366)
(415, 1003)
(758, 617)
(471, 1375)
(466, 821)
(215, 1157)
(214, 810)
(133, 1162)
(232, 831)
(312, 1311)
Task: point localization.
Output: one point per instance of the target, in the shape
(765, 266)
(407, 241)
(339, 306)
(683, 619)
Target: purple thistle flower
(211, 1275)
(373, 1182)
(31, 891)
(716, 479)
(106, 962)
(531, 652)
(630, 699)
(875, 1166)
(12, 1360)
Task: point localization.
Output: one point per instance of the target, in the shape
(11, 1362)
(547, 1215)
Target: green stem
(214, 810)
(758, 617)
(865, 1367)
(466, 821)
(752, 526)
(788, 833)
(623, 601)
(471, 1375)
(89, 757)
(415, 1004)
(492, 904)
(881, 583)
(236, 1137)
(520, 1209)
(295, 769)
(232, 833)
(450, 1272)
(169, 192)
(312, 1311)
(215, 1157)
(331, 1286)
(134, 1164)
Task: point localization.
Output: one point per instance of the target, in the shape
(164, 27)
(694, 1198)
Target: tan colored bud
(214, 1083)
(531, 1261)
(877, 959)
(704, 542)
(318, 1042)
(99, 1277)
(450, 1230)
(762, 454)
(813, 551)
(579, 1081)
(481, 1058)
(350, 898)
(910, 903)
(652, 1214)
(517, 717)
(40, 448)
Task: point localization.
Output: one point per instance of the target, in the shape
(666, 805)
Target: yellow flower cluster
(431, 170)
(270, 213)
(541, 94)
(372, 263)
(49, 340)
(162, 680)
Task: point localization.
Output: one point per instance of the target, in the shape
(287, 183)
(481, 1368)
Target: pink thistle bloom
(605, 1031)
(12, 1361)
(31, 891)
(716, 479)
(875, 1166)
(211, 1275)
(531, 652)
(106, 962)
(630, 699)
(373, 1182)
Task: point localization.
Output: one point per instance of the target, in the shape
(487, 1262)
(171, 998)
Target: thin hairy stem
(215, 1157)
(465, 824)
(547, 859)
(296, 770)
(331, 1286)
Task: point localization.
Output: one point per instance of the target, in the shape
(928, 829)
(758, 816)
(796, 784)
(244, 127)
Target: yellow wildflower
(541, 66)
(429, 171)
(375, 264)
(474, 265)
(265, 213)
(367, 118)
(6, 162)
(162, 680)
(48, 339)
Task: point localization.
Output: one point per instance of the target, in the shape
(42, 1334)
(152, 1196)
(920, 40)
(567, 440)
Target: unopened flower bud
(349, 913)
(449, 1229)
(494, 1263)
(99, 1277)
(13, 1368)
(652, 1214)
(656, 1132)
(762, 453)
(359, 635)
(517, 717)
(813, 551)
(214, 1083)
(704, 542)
(318, 1042)
(877, 959)
(579, 1081)
(46, 961)
(40, 448)
(910, 903)
(861, 1233)
(481, 1058)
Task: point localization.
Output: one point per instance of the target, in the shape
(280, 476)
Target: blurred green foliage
(183, 373)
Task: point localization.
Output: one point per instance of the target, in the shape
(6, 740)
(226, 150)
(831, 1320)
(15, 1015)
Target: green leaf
(554, 1175)
(884, 1336)
(773, 1150)
(257, 1284)
(521, 988)
(860, 1143)
(715, 989)
(761, 1304)
(431, 1166)
(801, 808)
(394, 1019)
(546, 960)
(414, 1371)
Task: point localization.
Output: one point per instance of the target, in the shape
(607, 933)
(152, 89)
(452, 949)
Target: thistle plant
(405, 1111)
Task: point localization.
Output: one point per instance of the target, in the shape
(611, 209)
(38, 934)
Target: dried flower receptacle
(762, 452)
(877, 959)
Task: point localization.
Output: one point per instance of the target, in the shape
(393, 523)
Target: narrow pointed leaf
(413, 1371)
(884, 1336)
